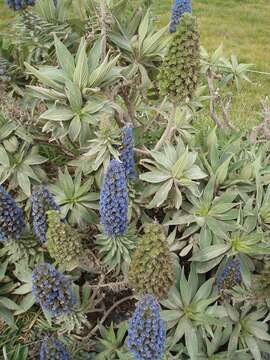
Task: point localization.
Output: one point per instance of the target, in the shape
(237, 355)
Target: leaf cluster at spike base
(114, 200)
(64, 243)
(53, 349)
(19, 4)
(52, 290)
(127, 154)
(151, 269)
(179, 8)
(42, 201)
(180, 71)
(146, 333)
(230, 276)
(11, 217)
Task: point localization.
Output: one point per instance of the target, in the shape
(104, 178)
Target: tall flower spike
(52, 290)
(230, 276)
(42, 201)
(52, 349)
(19, 4)
(180, 72)
(146, 333)
(114, 200)
(11, 217)
(127, 154)
(64, 243)
(179, 8)
(151, 269)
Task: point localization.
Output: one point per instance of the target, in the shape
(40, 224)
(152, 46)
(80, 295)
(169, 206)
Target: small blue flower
(19, 4)
(42, 201)
(53, 349)
(11, 217)
(179, 8)
(127, 154)
(230, 276)
(146, 333)
(52, 290)
(114, 200)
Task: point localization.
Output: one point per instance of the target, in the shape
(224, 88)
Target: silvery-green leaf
(161, 195)
(74, 128)
(155, 176)
(81, 72)
(94, 55)
(74, 96)
(8, 303)
(46, 80)
(7, 316)
(24, 183)
(4, 159)
(59, 113)
(222, 171)
(181, 164)
(64, 57)
(210, 252)
(45, 94)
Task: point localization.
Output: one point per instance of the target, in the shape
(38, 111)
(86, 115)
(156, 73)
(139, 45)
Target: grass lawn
(242, 26)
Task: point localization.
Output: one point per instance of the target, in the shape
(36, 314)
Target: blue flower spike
(146, 333)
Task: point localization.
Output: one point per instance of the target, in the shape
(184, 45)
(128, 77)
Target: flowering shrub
(52, 290)
(19, 4)
(52, 349)
(179, 8)
(11, 217)
(127, 191)
(146, 333)
(42, 201)
(114, 200)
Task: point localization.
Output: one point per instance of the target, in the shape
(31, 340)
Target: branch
(262, 129)
(166, 136)
(103, 27)
(119, 302)
(213, 96)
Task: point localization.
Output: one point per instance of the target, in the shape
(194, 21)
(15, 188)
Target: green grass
(5, 15)
(242, 26)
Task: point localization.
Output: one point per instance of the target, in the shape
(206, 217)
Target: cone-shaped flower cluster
(151, 269)
(179, 8)
(179, 74)
(146, 333)
(42, 201)
(64, 243)
(127, 154)
(52, 290)
(53, 349)
(11, 217)
(19, 4)
(230, 276)
(114, 200)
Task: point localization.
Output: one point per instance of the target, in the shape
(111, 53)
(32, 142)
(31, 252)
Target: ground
(242, 26)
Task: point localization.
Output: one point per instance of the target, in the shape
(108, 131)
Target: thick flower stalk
(230, 276)
(52, 290)
(146, 333)
(53, 349)
(180, 7)
(151, 269)
(127, 154)
(180, 71)
(19, 4)
(114, 200)
(64, 243)
(11, 217)
(42, 201)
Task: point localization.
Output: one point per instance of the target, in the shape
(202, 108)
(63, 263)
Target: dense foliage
(134, 219)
